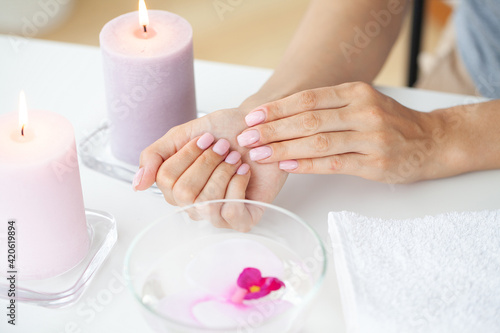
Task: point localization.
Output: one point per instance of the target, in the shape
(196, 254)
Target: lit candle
(149, 78)
(40, 189)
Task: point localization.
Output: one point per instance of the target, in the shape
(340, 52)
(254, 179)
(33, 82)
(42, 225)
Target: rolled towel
(433, 274)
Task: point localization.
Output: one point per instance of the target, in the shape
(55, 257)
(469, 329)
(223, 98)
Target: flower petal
(267, 285)
(258, 294)
(179, 306)
(216, 267)
(272, 283)
(249, 277)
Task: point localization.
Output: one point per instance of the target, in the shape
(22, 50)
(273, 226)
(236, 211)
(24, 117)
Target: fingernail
(255, 117)
(248, 137)
(288, 165)
(243, 169)
(137, 178)
(205, 141)
(221, 147)
(233, 157)
(260, 153)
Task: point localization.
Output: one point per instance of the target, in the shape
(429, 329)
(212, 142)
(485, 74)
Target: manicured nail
(288, 165)
(137, 178)
(255, 117)
(221, 147)
(243, 169)
(260, 153)
(248, 137)
(205, 141)
(233, 157)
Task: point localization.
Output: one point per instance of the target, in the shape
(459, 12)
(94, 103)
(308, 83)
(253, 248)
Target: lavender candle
(149, 79)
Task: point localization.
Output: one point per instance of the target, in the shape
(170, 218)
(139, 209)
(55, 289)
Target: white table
(67, 79)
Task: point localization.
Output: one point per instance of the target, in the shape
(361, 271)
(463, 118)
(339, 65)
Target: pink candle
(40, 189)
(149, 79)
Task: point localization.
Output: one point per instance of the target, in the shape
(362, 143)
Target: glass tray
(66, 289)
(95, 152)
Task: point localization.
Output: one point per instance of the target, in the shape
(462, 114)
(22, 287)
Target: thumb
(153, 157)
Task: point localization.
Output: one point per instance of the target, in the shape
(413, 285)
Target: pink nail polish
(137, 178)
(205, 141)
(233, 157)
(255, 117)
(260, 153)
(248, 137)
(288, 165)
(243, 169)
(221, 147)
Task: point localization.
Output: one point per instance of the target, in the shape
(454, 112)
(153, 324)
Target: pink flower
(252, 285)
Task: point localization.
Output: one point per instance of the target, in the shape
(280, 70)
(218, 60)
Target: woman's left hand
(347, 129)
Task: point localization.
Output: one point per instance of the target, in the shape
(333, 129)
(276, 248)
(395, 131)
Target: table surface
(67, 79)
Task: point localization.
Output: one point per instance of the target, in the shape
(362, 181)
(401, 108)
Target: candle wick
(145, 29)
(22, 130)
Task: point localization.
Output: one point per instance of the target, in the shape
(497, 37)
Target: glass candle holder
(185, 273)
(66, 289)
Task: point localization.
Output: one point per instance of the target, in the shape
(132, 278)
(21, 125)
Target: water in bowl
(191, 284)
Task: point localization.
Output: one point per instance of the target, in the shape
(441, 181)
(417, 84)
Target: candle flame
(143, 15)
(23, 112)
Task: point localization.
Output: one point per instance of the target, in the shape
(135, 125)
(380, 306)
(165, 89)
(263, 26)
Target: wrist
(265, 95)
(256, 100)
(448, 157)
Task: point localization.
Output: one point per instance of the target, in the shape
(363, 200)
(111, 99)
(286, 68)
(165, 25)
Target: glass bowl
(184, 272)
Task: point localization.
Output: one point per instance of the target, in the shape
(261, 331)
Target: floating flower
(252, 285)
(220, 278)
(216, 269)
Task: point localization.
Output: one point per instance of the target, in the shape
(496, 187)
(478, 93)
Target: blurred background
(246, 32)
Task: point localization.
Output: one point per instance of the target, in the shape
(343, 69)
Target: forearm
(470, 139)
(336, 42)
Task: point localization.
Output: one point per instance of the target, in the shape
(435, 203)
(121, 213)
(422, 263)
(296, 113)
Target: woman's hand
(205, 169)
(189, 165)
(347, 129)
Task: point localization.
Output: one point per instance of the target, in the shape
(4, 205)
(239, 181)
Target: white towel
(432, 274)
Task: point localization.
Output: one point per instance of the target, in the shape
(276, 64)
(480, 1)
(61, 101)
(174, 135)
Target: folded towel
(432, 274)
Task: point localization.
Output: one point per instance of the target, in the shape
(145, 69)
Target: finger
(300, 125)
(212, 213)
(307, 100)
(194, 214)
(236, 214)
(216, 186)
(350, 164)
(153, 156)
(237, 186)
(318, 145)
(189, 185)
(170, 170)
